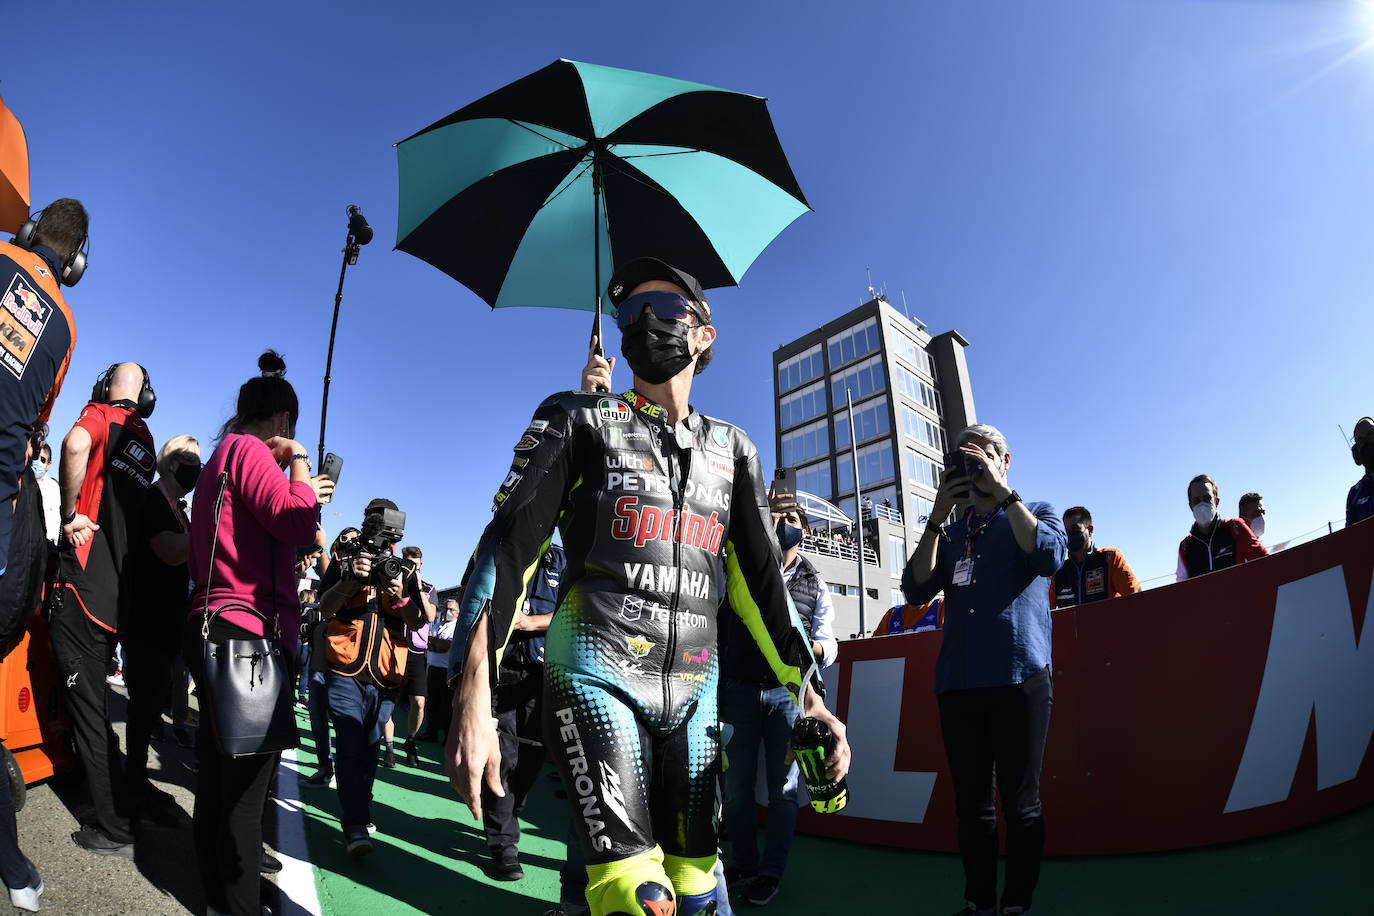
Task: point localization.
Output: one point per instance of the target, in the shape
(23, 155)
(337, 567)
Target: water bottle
(813, 744)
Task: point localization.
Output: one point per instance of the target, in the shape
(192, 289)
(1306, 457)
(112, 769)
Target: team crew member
(107, 465)
(649, 496)
(1090, 573)
(1213, 543)
(36, 344)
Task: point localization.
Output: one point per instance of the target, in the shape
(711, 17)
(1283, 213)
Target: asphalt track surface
(429, 857)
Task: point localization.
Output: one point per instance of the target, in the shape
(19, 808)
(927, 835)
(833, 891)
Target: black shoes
(505, 864)
(412, 755)
(270, 863)
(92, 839)
(319, 779)
(389, 758)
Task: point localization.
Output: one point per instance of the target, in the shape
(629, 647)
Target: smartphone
(957, 461)
(785, 481)
(333, 464)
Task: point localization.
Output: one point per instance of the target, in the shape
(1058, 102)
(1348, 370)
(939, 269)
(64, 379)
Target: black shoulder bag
(247, 685)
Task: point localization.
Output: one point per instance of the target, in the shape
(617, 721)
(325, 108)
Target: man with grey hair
(992, 677)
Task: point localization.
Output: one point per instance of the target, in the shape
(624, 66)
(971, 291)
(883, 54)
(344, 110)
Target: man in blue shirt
(1359, 504)
(992, 677)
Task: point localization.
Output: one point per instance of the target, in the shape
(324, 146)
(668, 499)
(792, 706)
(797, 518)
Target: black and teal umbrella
(530, 195)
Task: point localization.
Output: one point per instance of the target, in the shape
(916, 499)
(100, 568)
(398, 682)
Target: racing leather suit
(648, 512)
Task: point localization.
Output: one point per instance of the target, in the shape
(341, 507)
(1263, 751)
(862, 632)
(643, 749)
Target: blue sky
(1151, 218)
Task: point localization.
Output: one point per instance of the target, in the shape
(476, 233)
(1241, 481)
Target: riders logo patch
(632, 607)
(23, 316)
(639, 646)
(1095, 583)
(614, 411)
(720, 436)
(527, 442)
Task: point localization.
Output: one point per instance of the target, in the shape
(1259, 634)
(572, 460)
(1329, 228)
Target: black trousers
(14, 866)
(997, 734)
(83, 651)
(231, 793)
(148, 665)
(522, 754)
(439, 706)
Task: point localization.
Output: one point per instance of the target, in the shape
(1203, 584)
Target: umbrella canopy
(530, 195)
(14, 172)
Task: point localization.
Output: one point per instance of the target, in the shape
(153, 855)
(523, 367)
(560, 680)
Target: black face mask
(1366, 453)
(656, 349)
(187, 475)
(1077, 540)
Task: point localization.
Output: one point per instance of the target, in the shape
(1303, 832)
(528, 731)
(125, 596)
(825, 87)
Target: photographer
(992, 677)
(368, 599)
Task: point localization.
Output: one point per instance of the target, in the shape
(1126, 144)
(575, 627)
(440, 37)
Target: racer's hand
(596, 375)
(837, 766)
(79, 530)
(472, 751)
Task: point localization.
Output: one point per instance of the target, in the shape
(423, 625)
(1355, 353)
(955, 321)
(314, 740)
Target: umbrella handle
(596, 334)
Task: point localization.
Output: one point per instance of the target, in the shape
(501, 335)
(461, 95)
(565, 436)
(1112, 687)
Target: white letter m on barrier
(1315, 667)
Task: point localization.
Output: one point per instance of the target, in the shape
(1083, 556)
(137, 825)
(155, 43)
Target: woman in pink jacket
(266, 515)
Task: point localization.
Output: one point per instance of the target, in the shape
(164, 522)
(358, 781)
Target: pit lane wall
(1230, 706)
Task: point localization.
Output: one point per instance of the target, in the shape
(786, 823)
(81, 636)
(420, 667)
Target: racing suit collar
(656, 412)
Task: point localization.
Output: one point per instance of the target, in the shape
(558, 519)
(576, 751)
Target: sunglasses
(663, 305)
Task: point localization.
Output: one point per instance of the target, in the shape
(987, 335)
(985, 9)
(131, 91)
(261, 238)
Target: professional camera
(382, 528)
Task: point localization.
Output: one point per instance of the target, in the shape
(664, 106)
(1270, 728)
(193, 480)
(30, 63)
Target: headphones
(147, 398)
(75, 267)
(1355, 445)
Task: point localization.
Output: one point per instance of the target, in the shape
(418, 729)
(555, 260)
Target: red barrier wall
(1225, 707)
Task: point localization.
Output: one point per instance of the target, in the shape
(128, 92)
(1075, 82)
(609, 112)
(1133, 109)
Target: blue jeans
(359, 711)
(303, 666)
(759, 716)
(318, 707)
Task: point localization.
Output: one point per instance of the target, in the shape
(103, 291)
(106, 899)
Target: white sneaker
(116, 679)
(26, 898)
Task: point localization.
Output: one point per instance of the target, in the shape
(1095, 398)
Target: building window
(923, 470)
(855, 343)
(896, 554)
(805, 444)
(815, 480)
(923, 429)
(861, 380)
(870, 421)
(920, 511)
(803, 405)
(800, 369)
(875, 467)
(835, 588)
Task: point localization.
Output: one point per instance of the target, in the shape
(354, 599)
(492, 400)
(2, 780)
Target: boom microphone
(358, 227)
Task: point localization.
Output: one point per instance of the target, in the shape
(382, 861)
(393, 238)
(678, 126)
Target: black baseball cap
(641, 270)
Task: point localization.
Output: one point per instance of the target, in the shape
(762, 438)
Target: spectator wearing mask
(51, 492)
(440, 640)
(1213, 542)
(270, 507)
(912, 618)
(152, 639)
(519, 710)
(1091, 573)
(992, 677)
(762, 714)
(1359, 504)
(107, 465)
(1252, 511)
(416, 686)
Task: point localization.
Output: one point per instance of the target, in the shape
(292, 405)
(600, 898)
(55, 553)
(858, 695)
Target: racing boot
(697, 904)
